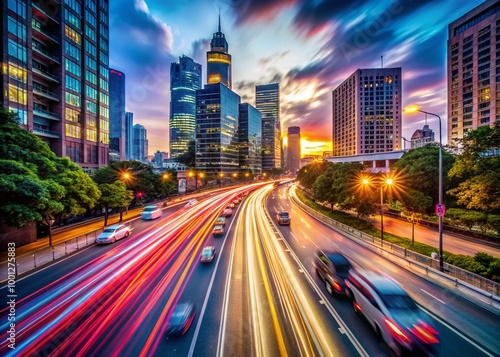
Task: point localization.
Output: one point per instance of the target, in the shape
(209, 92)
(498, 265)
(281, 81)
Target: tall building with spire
(219, 60)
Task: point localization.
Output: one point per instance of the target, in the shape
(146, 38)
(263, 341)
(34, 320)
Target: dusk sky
(308, 46)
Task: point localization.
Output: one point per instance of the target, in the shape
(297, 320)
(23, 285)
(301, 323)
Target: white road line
(441, 301)
(307, 224)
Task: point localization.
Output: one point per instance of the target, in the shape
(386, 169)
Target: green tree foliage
(478, 169)
(466, 218)
(114, 195)
(415, 201)
(420, 168)
(189, 157)
(309, 173)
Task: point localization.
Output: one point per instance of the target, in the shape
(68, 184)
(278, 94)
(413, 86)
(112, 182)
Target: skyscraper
(473, 70)
(117, 127)
(185, 79)
(55, 75)
(219, 60)
(140, 145)
(217, 114)
(267, 101)
(367, 112)
(129, 135)
(250, 139)
(293, 157)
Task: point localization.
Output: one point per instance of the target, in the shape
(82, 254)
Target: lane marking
(441, 301)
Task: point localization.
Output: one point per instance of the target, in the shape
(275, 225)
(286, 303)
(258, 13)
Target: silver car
(112, 233)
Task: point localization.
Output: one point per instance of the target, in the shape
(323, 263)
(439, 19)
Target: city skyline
(310, 48)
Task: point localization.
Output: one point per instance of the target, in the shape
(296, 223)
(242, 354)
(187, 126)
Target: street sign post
(440, 209)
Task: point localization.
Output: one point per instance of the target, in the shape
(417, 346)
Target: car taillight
(425, 332)
(337, 286)
(396, 331)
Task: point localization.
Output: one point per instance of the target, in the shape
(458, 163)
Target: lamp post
(221, 175)
(386, 182)
(440, 207)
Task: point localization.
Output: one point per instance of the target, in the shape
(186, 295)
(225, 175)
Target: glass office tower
(55, 74)
(129, 135)
(140, 143)
(117, 125)
(267, 101)
(219, 60)
(250, 138)
(293, 150)
(217, 111)
(185, 79)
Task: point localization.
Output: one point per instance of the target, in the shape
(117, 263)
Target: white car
(151, 212)
(191, 202)
(112, 233)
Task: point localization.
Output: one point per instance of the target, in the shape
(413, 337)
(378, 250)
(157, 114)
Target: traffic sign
(440, 209)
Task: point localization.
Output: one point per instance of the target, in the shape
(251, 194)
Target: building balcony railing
(45, 93)
(44, 52)
(39, 130)
(46, 114)
(45, 74)
(37, 26)
(47, 13)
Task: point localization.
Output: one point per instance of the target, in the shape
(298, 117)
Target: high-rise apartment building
(367, 112)
(185, 79)
(219, 60)
(55, 74)
(140, 143)
(293, 150)
(267, 101)
(250, 139)
(217, 115)
(129, 135)
(474, 70)
(117, 125)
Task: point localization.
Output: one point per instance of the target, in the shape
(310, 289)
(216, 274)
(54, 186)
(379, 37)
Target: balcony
(45, 93)
(38, 48)
(40, 11)
(46, 114)
(40, 130)
(45, 74)
(37, 26)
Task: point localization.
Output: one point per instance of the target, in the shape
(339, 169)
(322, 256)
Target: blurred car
(228, 212)
(332, 268)
(207, 254)
(112, 233)
(283, 218)
(182, 317)
(151, 212)
(392, 313)
(221, 221)
(231, 205)
(218, 230)
(191, 202)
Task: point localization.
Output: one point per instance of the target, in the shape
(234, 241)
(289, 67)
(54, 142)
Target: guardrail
(460, 278)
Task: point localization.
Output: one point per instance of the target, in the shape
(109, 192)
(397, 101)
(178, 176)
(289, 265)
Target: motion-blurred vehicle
(283, 218)
(207, 254)
(221, 221)
(332, 268)
(112, 233)
(182, 317)
(228, 212)
(191, 202)
(391, 312)
(151, 212)
(231, 205)
(218, 230)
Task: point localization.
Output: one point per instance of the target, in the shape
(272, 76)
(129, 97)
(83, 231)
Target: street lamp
(440, 206)
(387, 182)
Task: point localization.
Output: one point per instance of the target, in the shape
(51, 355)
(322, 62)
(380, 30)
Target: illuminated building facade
(250, 139)
(267, 101)
(474, 70)
(185, 80)
(219, 60)
(117, 125)
(129, 132)
(293, 150)
(367, 112)
(217, 114)
(140, 143)
(55, 75)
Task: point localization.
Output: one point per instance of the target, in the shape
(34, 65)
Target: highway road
(259, 297)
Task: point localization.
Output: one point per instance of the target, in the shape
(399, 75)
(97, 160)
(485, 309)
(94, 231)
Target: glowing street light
(440, 206)
(385, 183)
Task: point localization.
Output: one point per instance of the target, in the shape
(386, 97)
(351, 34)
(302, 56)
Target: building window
(104, 72)
(73, 151)
(73, 99)
(104, 58)
(90, 77)
(103, 44)
(72, 115)
(104, 112)
(103, 84)
(19, 7)
(15, 72)
(17, 50)
(16, 94)
(72, 34)
(90, 62)
(92, 135)
(72, 83)
(90, 48)
(90, 107)
(103, 98)
(90, 92)
(22, 115)
(75, 6)
(72, 51)
(17, 28)
(71, 19)
(90, 18)
(90, 33)
(91, 5)
(73, 67)
(73, 131)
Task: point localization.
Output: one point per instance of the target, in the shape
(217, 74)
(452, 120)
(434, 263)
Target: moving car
(332, 268)
(191, 202)
(391, 312)
(207, 254)
(283, 218)
(228, 212)
(221, 221)
(112, 233)
(151, 212)
(218, 230)
(182, 317)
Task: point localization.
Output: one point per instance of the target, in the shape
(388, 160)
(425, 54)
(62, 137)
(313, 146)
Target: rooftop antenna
(425, 118)
(382, 61)
(219, 19)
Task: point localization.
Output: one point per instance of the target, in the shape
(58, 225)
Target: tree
(414, 202)
(309, 173)
(114, 195)
(478, 169)
(189, 157)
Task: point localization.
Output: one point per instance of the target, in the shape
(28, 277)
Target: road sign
(440, 209)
